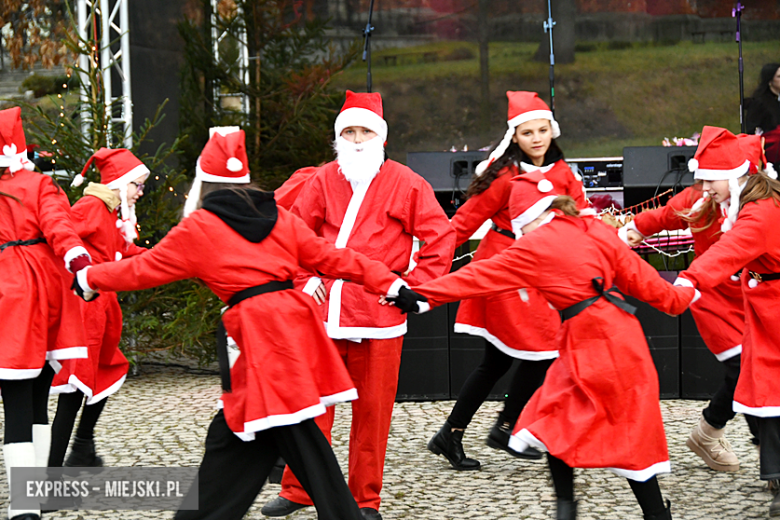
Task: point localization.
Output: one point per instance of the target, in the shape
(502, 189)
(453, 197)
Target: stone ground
(161, 417)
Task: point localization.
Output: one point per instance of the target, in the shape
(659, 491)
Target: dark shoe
(667, 514)
(449, 442)
(774, 507)
(275, 477)
(369, 513)
(27, 516)
(82, 454)
(773, 486)
(566, 510)
(280, 506)
(498, 439)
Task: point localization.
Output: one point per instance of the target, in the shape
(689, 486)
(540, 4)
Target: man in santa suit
(374, 206)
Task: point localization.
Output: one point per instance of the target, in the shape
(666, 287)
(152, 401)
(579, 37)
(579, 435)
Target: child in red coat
(105, 220)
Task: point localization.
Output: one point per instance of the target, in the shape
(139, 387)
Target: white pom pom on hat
(78, 180)
(234, 164)
(693, 165)
(544, 186)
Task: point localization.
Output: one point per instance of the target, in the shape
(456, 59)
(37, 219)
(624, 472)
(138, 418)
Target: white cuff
(683, 282)
(423, 307)
(73, 253)
(312, 285)
(81, 278)
(623, 232)
(395, 287)
(696, 296)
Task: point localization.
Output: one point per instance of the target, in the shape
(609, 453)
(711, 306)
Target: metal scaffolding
(224, 43)
(114, 57)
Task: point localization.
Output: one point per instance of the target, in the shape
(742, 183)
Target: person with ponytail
(38, 329)
(285, 370)
(105, 219)
(515, 325)
(719, 315)
(598, 405)
(752, 248)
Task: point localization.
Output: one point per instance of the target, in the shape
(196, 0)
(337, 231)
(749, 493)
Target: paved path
(160, 419)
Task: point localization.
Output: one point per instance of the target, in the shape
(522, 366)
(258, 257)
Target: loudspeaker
(445, 171)
(425, 360)
(650, 170)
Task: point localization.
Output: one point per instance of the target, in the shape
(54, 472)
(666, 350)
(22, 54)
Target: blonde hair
(758, 187)
(704, 217)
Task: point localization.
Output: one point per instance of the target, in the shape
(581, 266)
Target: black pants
(233, 472)
(68, 407)
(25, 403)
(721, 408)
(769, 453)
(647, 493)
(528, 377)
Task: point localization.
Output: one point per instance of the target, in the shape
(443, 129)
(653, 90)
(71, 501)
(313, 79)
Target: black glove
(86, 296)
(407, 300)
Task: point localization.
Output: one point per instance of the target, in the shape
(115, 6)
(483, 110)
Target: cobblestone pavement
(161, 417)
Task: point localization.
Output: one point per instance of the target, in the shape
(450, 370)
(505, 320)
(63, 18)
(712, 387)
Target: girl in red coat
(247, 250)
(516, 324)
(752, 244)
(598, 406)
(105, 220)
(36, 236)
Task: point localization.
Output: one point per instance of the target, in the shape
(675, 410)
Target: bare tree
(36, 32)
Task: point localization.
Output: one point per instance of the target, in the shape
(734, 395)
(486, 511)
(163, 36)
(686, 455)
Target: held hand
(79, 263)
(634, 238)
(81, 288)
(320, 294)
(407, 300)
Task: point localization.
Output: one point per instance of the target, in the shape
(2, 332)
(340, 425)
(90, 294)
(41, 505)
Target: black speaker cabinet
(700, 372)
(425, 359)
(650, 170)
(445, 171)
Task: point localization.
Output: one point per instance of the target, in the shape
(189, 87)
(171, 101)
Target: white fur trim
(721, 175)
(769, 169)
(208, 177)
(13, 160)
(78, 180)
(19, 455)
(312, 285)
(527, 168)
(223, 130)
(72, 253)
(623, 232)
(761, 411)
(16, 374)
(357, 116)
(683, 282)
(423, 307)
(83, 281)
(68, 353)
(693, 165)
(728, 354)
(532, 213)
(544, 186)
(129, 177)
(735, 190)
(396, 286)
(41, 435)
(357, 334)
(234, 164)
(530, 355)
(696, 296)
(536, 114)
(341, 397)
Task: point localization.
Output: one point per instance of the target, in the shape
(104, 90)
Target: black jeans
(769, 454)
(233, 471)
(720, 410)
(528, 377)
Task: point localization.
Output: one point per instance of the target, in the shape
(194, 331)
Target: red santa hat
(523, 107)
(13, 146)
(223, 160)
(532, 194)
(362, 109)
(753, 147)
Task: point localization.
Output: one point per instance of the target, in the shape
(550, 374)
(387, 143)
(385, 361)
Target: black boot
(82, 454)
(566, 510)
(275, 477)
(774, 507)
(667, 514)
(449, 442)
(498, 439)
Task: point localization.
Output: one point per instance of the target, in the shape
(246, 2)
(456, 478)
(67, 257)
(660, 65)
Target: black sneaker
(369, 513)
(280, 506)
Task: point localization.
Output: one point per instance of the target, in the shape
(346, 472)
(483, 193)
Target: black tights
(647, 493)
(68, 407)
(25, 403)
(528, 376)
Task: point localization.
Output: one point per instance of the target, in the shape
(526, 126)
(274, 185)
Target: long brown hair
(758, 187)
(704, 217)
(565, 204)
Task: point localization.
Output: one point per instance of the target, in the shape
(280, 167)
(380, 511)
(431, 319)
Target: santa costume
(377, 212)
(752, 248)
(287, 371)
(106, 223)
(516, 324)
(37, 244)
(598, 406)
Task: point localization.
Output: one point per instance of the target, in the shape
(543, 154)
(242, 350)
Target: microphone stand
(367, 44)
(548, 27)
(737, 13)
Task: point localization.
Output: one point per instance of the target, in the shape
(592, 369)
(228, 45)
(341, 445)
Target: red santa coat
(104, 371)
(520, 324)
(379, 221)
(598, 406)
(751, 243)
(288, 370)
(35, 324)
(719, 313)
(563, 179)
(286, 194)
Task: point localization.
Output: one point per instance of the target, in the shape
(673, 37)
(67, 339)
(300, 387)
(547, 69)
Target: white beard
(359, 162)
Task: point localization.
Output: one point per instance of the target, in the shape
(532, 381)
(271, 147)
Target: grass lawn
(607, 99)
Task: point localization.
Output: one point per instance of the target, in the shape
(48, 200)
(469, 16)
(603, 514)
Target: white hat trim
(357, 116)
(704, 174)
(193, 196)
(128, 177)
(536, 114)
(531, 214)
(15, 161)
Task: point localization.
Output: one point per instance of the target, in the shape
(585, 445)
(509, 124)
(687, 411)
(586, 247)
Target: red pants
(373, 366)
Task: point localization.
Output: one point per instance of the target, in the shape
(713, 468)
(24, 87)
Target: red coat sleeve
(54, 218)
(479, 208)
(166, 263)
(668, 217)
(423, 217)
(132, 250)
(286, 194)
(85, 222)
(309, 206)
(316, 253)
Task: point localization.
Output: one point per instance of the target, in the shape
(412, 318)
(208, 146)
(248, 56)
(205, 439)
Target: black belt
(764, 277)
(609, 294)
(31, 242)
(502, 231)
(222, 350)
